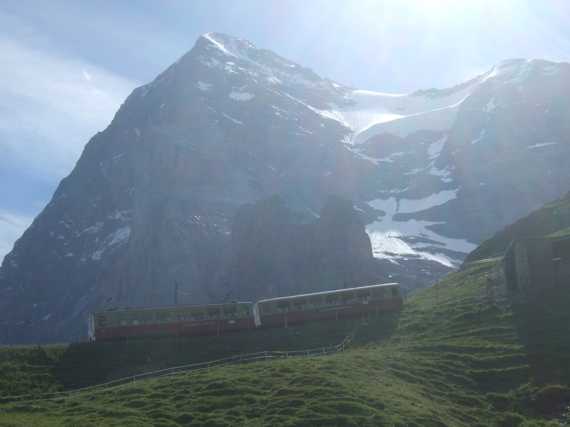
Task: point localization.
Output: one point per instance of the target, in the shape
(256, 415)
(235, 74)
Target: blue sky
(67, 65)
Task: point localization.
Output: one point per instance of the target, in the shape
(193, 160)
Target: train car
(337, 304)
(185, 320)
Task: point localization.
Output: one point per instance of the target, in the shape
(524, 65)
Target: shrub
(552, 399)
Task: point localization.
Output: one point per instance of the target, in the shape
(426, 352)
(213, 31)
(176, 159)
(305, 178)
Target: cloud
(51, 105)
(11, 228)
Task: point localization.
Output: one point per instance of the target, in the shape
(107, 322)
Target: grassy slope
(552, 218)
(110, 360)
(29, 369)
(454, 358)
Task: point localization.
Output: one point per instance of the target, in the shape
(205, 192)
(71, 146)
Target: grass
(29, 370)
(455, 356)
(110, 360)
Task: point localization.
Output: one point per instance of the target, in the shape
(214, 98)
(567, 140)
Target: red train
(216, 319)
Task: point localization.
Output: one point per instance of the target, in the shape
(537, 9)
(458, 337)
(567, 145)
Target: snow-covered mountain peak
(372, 113)
(218, 50)
(519, 70)
(227, 45)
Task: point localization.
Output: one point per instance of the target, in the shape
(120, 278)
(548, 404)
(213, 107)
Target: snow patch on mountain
(490, 106)
(418, 205)
(480, 137)
(369, 113)
(229, 46)
(232, 119)
(443, 174)
(391, 246)
(116, 238)
(543, 144)
(393, 240)
(123, 215)
(434, 149)
(360, 154)
(439, 119)
(365, 108)
(241, 96)
(92, 229)
(203, 86)
(392, 157)
(517, 71)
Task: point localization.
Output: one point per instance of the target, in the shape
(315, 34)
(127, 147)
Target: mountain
(275, 254)
(486, 153)
(148, 210)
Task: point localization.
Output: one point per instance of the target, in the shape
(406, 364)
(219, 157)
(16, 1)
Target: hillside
(551, 219)
(459, 355)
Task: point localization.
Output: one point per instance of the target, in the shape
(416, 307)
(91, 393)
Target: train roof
(334, 291)
(170, 307)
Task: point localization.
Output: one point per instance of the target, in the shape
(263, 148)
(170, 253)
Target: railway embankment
(456, 356)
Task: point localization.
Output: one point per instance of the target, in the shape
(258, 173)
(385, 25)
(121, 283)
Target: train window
(347, 297)
(299, 304)
(394, 292)
(213, 313)
(162, 316)
(379, 292)
(363, 294)
(316, 300)
(230, 311)
(101, 321)
(283, 305)
(270, 308)
(198, 315)
(332, 299)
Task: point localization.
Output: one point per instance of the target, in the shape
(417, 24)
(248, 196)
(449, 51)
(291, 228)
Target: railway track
(189, 368)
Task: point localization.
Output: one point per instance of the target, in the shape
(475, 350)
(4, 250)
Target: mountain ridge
(151, 200)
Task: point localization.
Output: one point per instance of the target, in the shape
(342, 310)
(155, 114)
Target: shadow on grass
(543, 325)
(376, 328)
(85, 364)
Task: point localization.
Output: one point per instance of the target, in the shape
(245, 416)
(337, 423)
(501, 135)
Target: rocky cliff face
(151, 202)
(471, 160)
(274, 252)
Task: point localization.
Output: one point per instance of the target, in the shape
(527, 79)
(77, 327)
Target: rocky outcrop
(275, 253)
